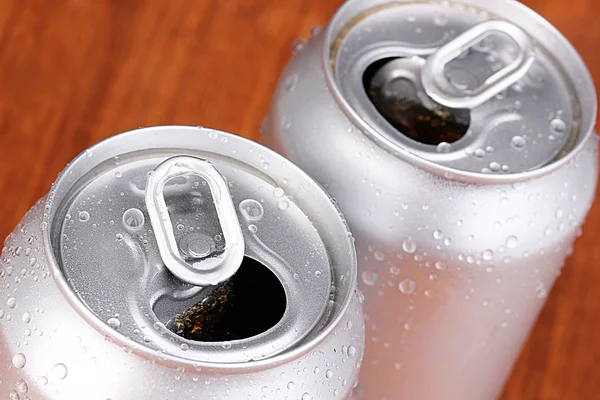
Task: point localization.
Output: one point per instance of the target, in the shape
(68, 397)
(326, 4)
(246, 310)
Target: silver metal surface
(455, 263)
(85, 294)
(499, 141)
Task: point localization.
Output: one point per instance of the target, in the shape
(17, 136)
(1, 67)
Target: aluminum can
(180, 263)
(457, 138)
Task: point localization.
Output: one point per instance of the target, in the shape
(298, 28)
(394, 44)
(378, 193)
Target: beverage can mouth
(187, 251)
(487, 92)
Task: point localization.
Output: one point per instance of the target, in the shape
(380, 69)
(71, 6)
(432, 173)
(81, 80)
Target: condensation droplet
(26, 317)
(558, 126)
(22, 386)
(511, 242)
(283, 204)
(370, 277)
(19, 360)
(409, 246)
(351, 351)
(518, 142)
(407, 286)
(488, 255)
(114, 323)
(84, 216)
(379, 255)
(133, 219)
(251, 209)
(59, 372)
(11, 303)
(444, 147)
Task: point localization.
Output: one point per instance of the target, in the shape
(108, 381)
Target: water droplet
(495, 167)
(409, 246)
(558, 126)
(518, 142)
(22, 386)
(59, 372)
(19, 360)
(488, 255)
(318, 273)
(26, 317)
(226, 345)
(306, 396)
(394, 270)
(291, 385)
(118, 174)
(133, 219)
(298, 46)
(407, 286)
(43, 381)
(283, 204)
(11, 303)
(559, 213)
(370, 277)
(379, 255)
(13, 395)
(352, 351)
(286, 123)
(440, 19)
(114, 323)
(290, 82)
(479, 153)
(440, 265)
(251, 209)
(278, 193)
(444, 147)
(252, 228)
(84, 216)
(438, 234)
(184, 347)
(511, 242)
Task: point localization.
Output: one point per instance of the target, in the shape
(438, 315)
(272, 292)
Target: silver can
(180, 263)
(457, 137)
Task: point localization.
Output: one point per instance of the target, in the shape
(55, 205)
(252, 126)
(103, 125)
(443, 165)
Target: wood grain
(73, 72)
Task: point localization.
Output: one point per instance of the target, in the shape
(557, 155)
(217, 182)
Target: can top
(178, 227)
(466, 86)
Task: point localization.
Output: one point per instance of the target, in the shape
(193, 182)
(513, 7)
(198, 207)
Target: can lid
(480, 88)
(178, 240)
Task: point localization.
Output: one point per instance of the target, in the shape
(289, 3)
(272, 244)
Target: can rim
(586, 130)
(140, 350)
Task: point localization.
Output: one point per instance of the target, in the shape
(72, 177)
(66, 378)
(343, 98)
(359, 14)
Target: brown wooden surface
(75, 71)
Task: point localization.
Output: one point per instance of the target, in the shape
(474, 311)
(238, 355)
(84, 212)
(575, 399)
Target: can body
(454, 267)
(53, 347)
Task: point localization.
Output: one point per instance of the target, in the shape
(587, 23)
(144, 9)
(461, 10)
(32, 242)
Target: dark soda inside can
(397, 100)
(248, 304)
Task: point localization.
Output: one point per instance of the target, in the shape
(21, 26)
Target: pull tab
(210, 269)
(439, 88)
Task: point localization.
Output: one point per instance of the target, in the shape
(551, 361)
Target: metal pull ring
(439, 88)
(209, 269)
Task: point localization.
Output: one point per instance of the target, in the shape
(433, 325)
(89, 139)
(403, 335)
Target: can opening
(399, 100)
(248, 304)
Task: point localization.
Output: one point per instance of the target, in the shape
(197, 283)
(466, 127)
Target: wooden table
(73, 72)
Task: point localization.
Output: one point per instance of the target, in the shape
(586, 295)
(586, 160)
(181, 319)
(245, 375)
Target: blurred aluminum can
(180, 263)
(457, 138)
